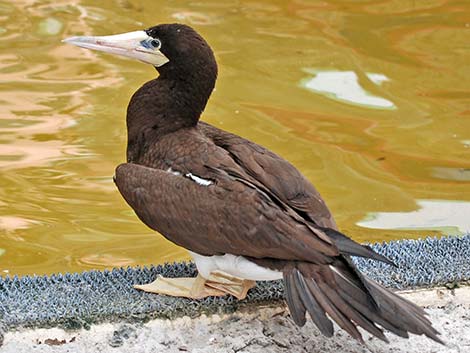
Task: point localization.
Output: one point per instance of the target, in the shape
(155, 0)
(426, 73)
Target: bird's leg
(218, 284)
(188, 287)
(238, 287)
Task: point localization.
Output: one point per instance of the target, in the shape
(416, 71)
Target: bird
(244, 213)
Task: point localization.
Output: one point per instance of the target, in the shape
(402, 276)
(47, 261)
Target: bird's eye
(151, 43)
(155, 43)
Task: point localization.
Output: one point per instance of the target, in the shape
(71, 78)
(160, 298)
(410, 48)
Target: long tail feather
(295, 303)
(348, 246)
(317, 313)
(340, 293)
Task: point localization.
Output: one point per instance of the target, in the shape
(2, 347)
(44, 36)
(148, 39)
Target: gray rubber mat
(79, 300)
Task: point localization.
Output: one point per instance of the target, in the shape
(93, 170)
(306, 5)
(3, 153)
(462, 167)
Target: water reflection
(344, 86)
(10, 223)
(458, 174)
(450, 217)
(196, 18)
(37, 100)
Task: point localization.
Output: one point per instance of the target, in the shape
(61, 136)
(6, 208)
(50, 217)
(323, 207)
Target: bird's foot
(188, 287)
(218, 284)
(229, 284)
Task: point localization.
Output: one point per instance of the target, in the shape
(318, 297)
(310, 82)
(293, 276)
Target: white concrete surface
(260, 330)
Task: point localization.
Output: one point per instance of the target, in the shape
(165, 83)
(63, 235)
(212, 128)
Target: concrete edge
(438, 297)
(269, 328)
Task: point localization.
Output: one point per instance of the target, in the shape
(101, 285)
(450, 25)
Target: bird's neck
(165, 105)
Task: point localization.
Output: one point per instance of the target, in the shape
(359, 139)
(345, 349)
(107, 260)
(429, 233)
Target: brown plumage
(255, 204)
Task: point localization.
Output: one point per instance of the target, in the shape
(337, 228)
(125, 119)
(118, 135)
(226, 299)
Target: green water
(369, 99)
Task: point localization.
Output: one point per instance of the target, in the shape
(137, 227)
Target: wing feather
(277, 174)
(226, 217)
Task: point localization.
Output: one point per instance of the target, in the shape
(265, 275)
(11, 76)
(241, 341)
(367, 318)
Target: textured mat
(78, 300)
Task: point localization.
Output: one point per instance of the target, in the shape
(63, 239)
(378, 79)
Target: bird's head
(170, 48)
(187, 68)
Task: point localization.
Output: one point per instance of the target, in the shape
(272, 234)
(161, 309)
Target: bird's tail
(339, 292)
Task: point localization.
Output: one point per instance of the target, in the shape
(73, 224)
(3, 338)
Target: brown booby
(244, 213)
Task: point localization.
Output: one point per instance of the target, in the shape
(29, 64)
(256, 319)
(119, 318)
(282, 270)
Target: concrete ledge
(81, 301)
(266, 329)
(440, 297)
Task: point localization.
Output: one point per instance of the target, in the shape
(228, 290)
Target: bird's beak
(131, 45)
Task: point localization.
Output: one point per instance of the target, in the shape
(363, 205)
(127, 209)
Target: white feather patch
(199, 180)
(237, 266)
(172, 171)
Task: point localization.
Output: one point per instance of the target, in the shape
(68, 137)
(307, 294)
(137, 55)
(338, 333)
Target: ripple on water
(381, 124)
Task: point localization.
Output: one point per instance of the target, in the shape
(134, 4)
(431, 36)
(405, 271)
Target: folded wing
(228, 216)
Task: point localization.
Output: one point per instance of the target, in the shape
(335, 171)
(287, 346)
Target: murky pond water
(369, 99)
